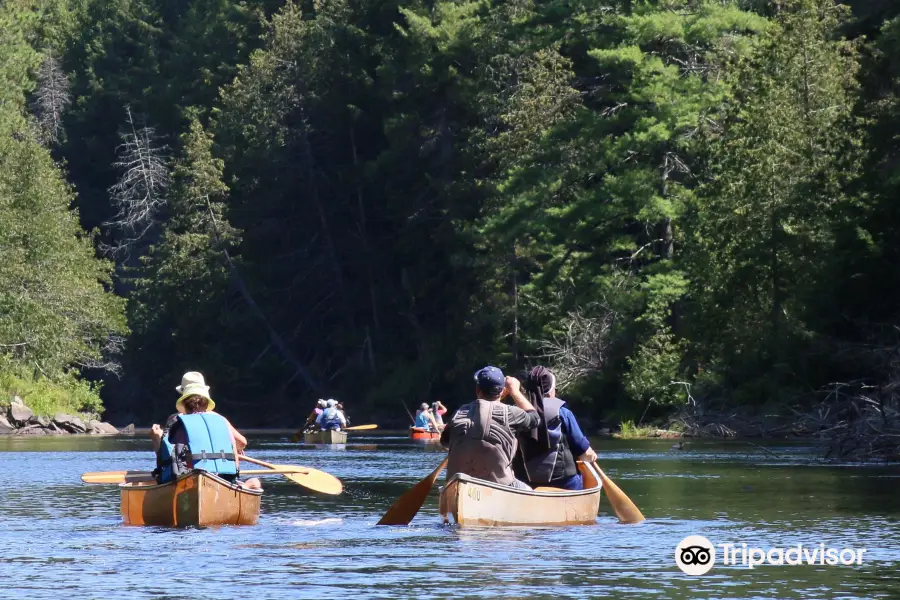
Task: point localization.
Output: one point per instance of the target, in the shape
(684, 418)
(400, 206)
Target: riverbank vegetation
(684, 207)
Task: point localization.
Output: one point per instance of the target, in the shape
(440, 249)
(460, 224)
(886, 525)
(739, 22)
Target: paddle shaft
(360, 427)
(136, 476)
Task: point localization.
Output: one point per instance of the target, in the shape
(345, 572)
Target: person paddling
(197, 437)
(425, 419)
(547, 453)
(311, 419)
(438, 410)
(331, 418)
(481, 436)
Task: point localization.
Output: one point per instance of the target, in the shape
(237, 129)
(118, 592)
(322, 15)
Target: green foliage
(774, 197)
(401, 192)
(65, 393)
(56, 310)
(628, 430)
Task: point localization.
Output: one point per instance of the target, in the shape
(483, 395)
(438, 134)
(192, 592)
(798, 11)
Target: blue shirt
(422, 420)
(578, 443)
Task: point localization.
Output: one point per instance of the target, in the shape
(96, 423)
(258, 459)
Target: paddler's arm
(156, 434)
(525, 419)
(578, 442)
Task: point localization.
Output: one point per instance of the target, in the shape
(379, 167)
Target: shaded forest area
(684, 207)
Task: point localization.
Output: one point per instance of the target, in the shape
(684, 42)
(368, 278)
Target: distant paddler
(438, 410)
(425, 419)
(311, 419)
(197, 437)
(331, 418)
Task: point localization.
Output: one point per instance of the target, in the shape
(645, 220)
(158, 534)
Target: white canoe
(472, 502)
(329, 436)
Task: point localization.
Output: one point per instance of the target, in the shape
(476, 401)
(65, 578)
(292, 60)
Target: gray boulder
(69, 423)
(19, 414)
(127, 430)
(5, 425)
(43, 421)
(31, 430)
(101, 427)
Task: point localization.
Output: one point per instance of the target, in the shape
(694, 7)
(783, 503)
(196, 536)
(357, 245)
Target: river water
(60, 538)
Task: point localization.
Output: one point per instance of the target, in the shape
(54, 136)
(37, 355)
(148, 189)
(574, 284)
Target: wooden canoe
(198, 499)
(329, 436)
(474, 502)
(417, 433)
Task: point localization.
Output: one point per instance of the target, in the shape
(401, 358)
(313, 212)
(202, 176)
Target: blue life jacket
(209, 448)
(422, 421)
(330, 419)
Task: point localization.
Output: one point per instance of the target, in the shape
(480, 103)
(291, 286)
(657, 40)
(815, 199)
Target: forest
(683, 207)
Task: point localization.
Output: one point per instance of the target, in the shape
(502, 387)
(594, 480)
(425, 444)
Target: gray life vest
(480, 446)
(543, 464)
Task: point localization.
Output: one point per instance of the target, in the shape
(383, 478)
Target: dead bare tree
(107, 359)
(581, 349)
(140, 193)
(51, 99)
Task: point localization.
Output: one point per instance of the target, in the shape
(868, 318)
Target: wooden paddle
(360, 427)
(141, 476)
(404, 509)
(621, 504)
(317, 481)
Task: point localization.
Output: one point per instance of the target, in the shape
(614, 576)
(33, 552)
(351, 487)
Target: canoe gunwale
(463, 478)
(155, 486)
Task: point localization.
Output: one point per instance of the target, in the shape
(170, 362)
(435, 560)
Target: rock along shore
(21, 420)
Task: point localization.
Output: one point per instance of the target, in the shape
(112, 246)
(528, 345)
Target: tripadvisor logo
(696, 555)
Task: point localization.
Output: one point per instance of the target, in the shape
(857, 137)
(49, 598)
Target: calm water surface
(60, 538)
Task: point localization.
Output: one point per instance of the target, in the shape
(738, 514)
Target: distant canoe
(198, 499)
(474, 502)
(417, 433)
(329, 436)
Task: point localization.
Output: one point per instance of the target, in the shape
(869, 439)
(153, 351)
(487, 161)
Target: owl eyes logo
(695, 555)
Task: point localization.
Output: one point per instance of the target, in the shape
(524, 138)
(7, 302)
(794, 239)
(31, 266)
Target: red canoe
(417, 433)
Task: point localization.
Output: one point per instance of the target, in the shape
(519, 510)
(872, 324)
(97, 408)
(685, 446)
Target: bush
(45, 396)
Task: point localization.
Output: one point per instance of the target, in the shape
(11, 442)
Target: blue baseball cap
(490, 379)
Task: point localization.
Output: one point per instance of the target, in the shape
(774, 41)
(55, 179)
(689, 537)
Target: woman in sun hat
(195, 399)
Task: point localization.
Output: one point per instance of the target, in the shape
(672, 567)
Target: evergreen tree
(767, 214)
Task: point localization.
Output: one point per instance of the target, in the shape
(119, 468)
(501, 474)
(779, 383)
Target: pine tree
(766, 217)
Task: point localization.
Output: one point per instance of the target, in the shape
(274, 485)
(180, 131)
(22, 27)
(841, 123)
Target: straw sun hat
(192, 384)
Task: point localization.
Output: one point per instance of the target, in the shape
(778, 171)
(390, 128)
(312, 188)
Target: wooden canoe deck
(197, 499)
(325, 437)
(472, 502)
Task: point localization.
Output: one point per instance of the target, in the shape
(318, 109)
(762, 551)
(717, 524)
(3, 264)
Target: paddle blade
(404, 509)
(360, 427)
(621, 504)
(117, 477)
(317, 481)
